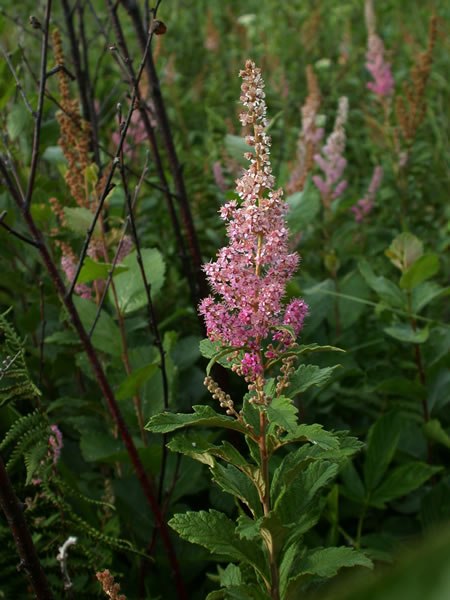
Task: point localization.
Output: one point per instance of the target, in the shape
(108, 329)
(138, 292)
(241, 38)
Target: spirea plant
(281, 484)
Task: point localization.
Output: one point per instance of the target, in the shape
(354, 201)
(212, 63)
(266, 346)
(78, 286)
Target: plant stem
(268, 540)
(29, 560)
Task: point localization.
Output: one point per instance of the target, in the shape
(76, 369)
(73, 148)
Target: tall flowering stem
(250, 276)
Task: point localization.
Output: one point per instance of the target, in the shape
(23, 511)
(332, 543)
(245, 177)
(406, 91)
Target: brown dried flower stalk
(111, 589)
(410, 108)
(75, 131)
(310, 135)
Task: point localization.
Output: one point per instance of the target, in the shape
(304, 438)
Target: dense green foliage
(377, 289)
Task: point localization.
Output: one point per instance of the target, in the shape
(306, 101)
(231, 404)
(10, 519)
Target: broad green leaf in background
(402, 481)
(403, 332)
(435, 432)
(106, 336)
(303, 208)
(236, 147)
(381, 446)
(92, 270)
(390, 293)
(426, 292)
(79, 219)
(129, 286)
(131, 385)
(404, 251)
(424, 268)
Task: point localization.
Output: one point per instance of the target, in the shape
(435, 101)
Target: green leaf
(236, 147)
(200, 449)
(18, 119)
(131, 385)
(387, 291)
(353, 487)
(402, 481)
(208, 349)
(425, 293)
(79, 219)
(293, 500)
(315, 434)
(405, 333)
(216, 532)
(435, 432)
(230, 576)
(308, 375)
(93, 270)
(303, 208)
(287, 562)
(324, 563)
(424, 268)
(129, 286)
(202, 416)
(382, 443)
(106, 336)
(234, 482)
(283, 413)
(404, 251)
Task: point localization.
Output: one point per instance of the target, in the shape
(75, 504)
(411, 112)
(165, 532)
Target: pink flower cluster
(55, 441)
(250, 274)
(383, 81)
(331, 161)
(364, 206)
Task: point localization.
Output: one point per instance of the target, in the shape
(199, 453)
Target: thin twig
(40, 107)
(17, 80)
(15, 233)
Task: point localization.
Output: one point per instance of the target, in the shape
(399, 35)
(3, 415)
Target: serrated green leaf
(382, 443)
(230, 576)
(129, 285)
(131, 385)
(315, 434)
(202, 416)
(286, 565)
(216, 532)
(247, 528)
(282, 412)
(424, 268)
(405, 333)
(236, 483)
(295, 497)
(324, 563)
(308, 375)
(353, 487)
(93, 270)
(200, 449)
(402, 481)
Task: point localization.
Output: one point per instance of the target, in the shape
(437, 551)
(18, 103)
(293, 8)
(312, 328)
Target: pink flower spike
(55, 441)
(383, 81)
(249, 276)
